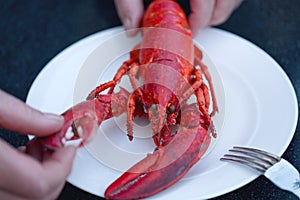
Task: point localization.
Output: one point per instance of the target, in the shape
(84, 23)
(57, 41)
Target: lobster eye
(153, 107)
(192, 76)
(171, 108)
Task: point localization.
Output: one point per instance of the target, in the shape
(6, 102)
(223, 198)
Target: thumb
(15, 115)
(61, 160)
(59, 163)
(130, 13)
(201, 14)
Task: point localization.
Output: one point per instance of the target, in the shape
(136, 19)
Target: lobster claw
(80, 124)
(82, 120)
(166, 165)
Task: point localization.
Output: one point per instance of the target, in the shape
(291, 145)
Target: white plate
(255, 87)
(111, 146)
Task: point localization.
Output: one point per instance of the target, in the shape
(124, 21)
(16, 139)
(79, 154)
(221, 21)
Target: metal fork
(276, 169)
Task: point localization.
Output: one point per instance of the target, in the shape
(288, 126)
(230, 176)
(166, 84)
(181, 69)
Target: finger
(59, 163)
(130, 13)
(18, 170)
(53, 194)
(15, 115)
(28, 178)
(35, 149)
(56, 191)
(201, 13)
(22, 149)
(223, 10)
(7, 195)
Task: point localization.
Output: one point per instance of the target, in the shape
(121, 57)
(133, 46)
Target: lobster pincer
(85, 117)
(167, 164)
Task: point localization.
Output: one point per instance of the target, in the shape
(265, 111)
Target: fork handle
(285, 176)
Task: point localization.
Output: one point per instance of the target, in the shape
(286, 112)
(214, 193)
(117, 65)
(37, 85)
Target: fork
(276, 169)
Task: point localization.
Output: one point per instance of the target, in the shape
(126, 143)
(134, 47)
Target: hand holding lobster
(203, 13)
(31, 178)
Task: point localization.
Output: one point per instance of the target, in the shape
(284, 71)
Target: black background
(32, 32)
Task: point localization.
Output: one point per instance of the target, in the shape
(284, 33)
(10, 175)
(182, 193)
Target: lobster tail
(166, 14)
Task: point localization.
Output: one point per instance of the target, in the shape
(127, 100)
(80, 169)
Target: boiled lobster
(170, 70)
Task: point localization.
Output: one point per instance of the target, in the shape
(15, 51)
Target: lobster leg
(198, 60)
(125, 67)
(201, 92)
(131, 67)
(132, 77)
(85, 117)
(130, 112)
(166, 165)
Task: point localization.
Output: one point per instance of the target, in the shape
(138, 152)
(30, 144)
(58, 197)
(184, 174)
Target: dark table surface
(33, 32)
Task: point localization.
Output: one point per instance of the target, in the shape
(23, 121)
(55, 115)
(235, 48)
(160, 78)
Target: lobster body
(165, 58)
(162, 46)
(170, 70)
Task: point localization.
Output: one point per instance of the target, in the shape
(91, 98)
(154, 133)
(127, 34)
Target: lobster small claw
(82, 120)
(80, 124)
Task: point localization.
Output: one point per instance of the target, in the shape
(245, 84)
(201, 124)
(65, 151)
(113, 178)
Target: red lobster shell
(170, 70)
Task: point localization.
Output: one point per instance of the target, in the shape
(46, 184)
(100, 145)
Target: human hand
(204, 13)
(37, 174)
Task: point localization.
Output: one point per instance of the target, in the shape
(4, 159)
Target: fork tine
(254, 166)
(261, 163)
(255, 158)
(253, 154)
(259, 152)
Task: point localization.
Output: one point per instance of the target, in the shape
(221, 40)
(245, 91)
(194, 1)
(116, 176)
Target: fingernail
(127, 23)
(70, 151)
(54, 117)
(71, 148)
(129, 27)
(21, 149)
(195, 32)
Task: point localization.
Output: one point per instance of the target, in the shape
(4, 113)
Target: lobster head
(162, 95)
